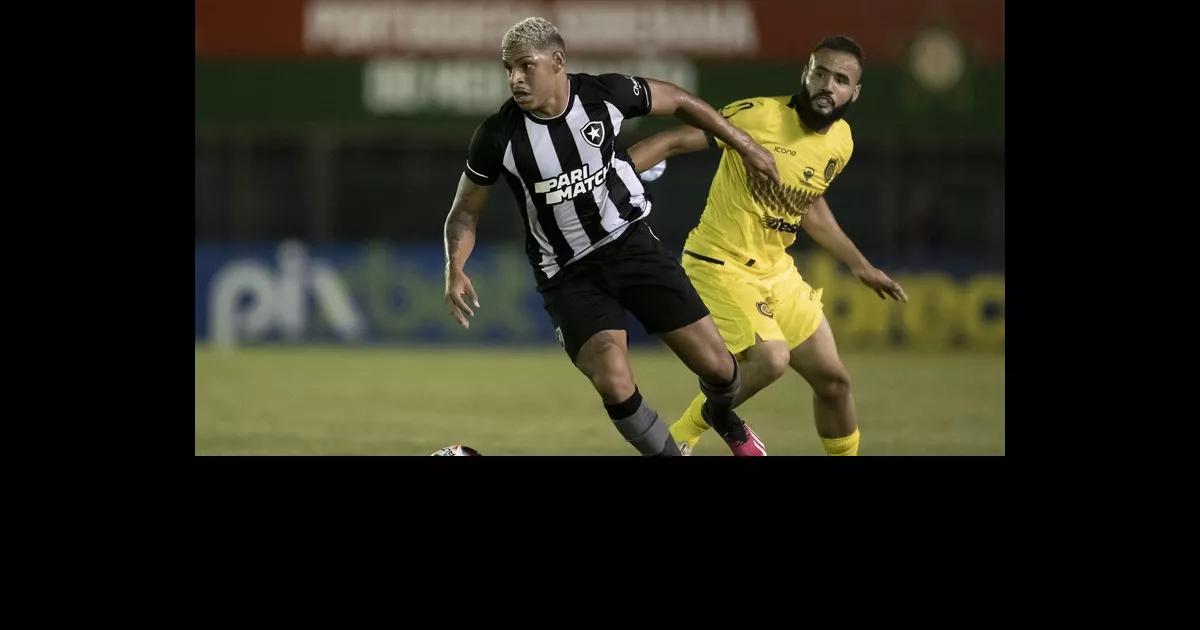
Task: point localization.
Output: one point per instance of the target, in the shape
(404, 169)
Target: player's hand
(458, 290)
(759, 162)
(883, 285)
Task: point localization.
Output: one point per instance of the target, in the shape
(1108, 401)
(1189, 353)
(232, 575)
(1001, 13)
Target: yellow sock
(691, 425)
(847, 445)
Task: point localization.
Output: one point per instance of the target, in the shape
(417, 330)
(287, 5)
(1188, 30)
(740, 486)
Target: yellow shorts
(743, 303)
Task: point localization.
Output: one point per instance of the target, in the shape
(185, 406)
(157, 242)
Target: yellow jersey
(746, 220)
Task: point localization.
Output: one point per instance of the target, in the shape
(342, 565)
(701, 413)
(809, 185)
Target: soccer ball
(457, 450)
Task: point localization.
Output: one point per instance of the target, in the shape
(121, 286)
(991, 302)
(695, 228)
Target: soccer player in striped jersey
(586, 237)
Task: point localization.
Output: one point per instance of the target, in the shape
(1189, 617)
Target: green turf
(411, 401)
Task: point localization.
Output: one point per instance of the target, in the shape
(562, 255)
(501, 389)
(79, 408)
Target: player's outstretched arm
(665, 144)
(459, 242)
(824, 229)
(670, 99)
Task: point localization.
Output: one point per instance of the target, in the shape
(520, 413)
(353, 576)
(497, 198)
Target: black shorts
(635, 272)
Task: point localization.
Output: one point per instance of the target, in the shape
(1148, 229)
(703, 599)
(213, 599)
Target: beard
(814, 119)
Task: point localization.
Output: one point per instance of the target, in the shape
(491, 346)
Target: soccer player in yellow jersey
(736, 257)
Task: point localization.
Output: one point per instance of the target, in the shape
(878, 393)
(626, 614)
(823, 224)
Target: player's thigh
(580, 307)
(796, 306)
(737, 302)
(817, 359)
(652, 285)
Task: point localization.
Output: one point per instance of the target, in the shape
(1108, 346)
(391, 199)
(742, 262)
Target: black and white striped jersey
(576, 192)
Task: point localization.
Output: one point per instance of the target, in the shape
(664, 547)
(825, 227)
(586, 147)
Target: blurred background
(330, 136)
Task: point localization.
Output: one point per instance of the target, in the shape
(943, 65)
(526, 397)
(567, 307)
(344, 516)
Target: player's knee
(775, 361)
(833, 386)
(771, 360)
(614, 385)
(610, 375)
